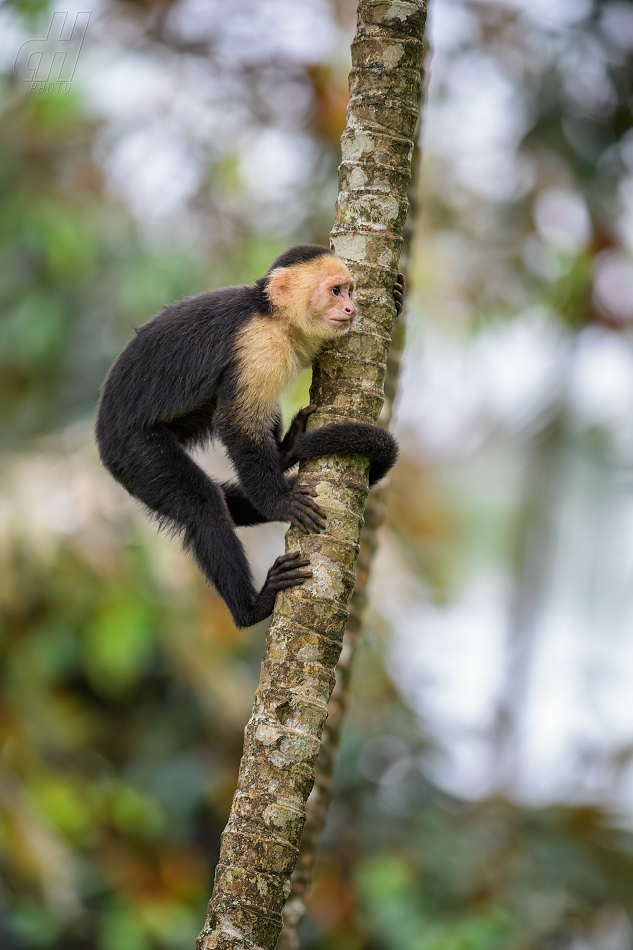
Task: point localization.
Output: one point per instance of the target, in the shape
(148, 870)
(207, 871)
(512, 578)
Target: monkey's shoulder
(176, 360)
(214, 312)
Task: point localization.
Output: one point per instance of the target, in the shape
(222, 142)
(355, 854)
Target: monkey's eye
(336, 291)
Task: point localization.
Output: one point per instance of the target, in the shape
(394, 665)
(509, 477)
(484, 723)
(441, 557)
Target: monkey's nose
(351, 309)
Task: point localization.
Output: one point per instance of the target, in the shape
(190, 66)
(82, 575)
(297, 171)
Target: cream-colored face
(331, 301)
(316, 296)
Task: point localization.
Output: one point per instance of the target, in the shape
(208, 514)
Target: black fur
(173, 387)
(350, 438)
(300, 254)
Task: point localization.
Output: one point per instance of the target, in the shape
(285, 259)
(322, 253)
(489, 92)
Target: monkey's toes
(286, 571)
(289, 562)
(292, 556)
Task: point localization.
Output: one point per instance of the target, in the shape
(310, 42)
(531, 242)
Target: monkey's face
(330, 306)
(337, 310)
(316, 297)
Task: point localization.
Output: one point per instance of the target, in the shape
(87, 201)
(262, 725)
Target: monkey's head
(312, 288)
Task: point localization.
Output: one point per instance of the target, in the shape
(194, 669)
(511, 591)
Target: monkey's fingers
(307, 490)
(398, 292)
(298, 424)
(310, 508)
(311, 521)
(306, 524)
(309, 517)
(302, 511)
(292, 556)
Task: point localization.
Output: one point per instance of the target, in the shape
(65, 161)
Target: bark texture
(321, 795)
(319, 801)
(260, 844)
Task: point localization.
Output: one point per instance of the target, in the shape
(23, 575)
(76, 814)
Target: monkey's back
(174, 363)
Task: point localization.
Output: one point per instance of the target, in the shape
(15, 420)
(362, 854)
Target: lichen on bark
(260, 844)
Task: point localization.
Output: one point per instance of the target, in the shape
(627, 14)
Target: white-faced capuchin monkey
(216, 365)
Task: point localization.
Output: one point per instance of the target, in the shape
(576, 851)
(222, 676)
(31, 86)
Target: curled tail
(350, 438)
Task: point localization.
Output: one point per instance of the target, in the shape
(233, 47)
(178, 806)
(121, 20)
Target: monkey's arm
(242, 511)
(256, 458)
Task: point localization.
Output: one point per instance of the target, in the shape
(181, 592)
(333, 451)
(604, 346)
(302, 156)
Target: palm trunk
(260, 844)
(321, 795)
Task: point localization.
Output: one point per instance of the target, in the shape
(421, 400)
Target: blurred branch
(260, 844)
(533, 559)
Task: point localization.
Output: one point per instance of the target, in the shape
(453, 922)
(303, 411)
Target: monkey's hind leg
(220, 554)
(243, 512)
(155, 469)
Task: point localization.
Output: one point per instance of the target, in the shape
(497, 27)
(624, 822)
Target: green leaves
(117, 646)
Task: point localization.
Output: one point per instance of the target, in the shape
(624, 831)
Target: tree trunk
(260, 844)
(321, 795)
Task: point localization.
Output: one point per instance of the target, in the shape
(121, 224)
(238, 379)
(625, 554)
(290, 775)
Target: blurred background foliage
(484, 791)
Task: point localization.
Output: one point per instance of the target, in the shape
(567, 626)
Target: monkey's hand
(398, 292)
(297, 428)
(299, 508)
(285, 572)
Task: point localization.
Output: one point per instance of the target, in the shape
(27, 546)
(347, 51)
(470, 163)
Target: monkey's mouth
(342, 321)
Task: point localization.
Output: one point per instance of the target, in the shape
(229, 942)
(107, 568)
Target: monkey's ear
(279, 287)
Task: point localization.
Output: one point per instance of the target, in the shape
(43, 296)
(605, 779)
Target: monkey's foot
(286, 572)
